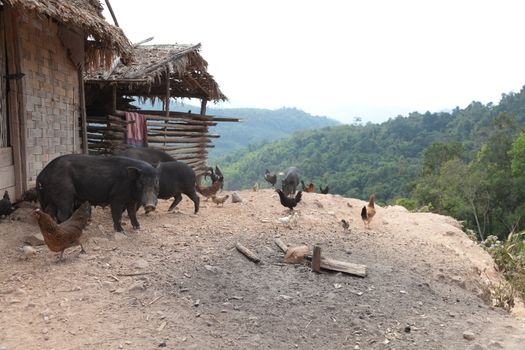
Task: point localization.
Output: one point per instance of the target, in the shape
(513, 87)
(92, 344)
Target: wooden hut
(158, 72)
(45, 45)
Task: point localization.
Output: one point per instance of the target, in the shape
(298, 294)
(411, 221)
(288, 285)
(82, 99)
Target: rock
(138, 287)
(236, 198)
(407, 328)
(468, 335)
(140, 264)
(494, 344)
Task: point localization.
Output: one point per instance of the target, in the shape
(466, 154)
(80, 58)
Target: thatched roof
(146, 75)
(107, 40)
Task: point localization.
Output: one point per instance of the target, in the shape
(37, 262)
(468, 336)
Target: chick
(27, 250)
(219, 200)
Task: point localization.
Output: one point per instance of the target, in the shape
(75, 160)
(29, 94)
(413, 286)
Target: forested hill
(258, 125)
(357, 160)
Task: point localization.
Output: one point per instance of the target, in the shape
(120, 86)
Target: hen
(271, 179)
(219, 200)
(6, 207)
(323, 190)
(59, 237)
(289, 202)
(209, 190)
(310, 188)
(368, 212)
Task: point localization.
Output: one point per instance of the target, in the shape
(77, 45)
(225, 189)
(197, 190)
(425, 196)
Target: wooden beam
(342, 266)
(281, 245)
(247, 253)
(15, 100)
(112, 13)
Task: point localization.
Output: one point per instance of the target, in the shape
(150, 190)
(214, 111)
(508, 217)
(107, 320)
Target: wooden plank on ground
(281, 245)
(316, 259)
(247, 252)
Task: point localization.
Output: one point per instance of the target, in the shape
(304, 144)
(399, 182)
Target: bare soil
(179, 282)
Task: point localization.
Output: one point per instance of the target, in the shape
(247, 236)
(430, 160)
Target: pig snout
(149, 200)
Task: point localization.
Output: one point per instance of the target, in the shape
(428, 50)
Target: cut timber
(248, 253)
(281, 245)
(316, 259)
(342, 266)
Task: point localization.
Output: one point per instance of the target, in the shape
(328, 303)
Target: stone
(236, 198)
(140, 264)
(468, 335)
(137, 287)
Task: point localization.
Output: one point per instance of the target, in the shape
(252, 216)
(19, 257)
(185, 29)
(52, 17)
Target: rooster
(323, 190)
(59, 237)
(368, 212)
(6, 207)
(219, 200)
(289, 202)
(309, 188)
(271, 179)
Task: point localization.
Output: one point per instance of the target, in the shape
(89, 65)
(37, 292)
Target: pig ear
(133, 172)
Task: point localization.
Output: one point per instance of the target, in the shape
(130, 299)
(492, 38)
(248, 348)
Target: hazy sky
(372, 59)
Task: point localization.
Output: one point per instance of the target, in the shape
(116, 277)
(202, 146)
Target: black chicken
(323, 190)
(289, 202)
(6, 207)
(271, 179)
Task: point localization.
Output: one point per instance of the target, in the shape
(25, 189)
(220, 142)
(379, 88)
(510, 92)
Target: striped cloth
(137, 130)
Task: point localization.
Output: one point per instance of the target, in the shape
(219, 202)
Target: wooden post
(167, 101)
(15, 101)
(113, 97)
(316, 259)
(203, 106)
(112, 13)
(83, 117)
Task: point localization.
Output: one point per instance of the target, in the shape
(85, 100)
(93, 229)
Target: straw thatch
(146, 75)
(105, 40)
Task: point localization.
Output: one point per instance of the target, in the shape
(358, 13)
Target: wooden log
(342, 266)
(248, 253)
(170, 132)
(178, 126)
(316, 260)
(198, 140)
(281, 245)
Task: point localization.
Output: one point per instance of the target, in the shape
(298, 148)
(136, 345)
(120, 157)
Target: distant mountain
(382, 159)
(258, 126)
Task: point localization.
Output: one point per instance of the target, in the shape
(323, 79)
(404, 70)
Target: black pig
(175, 178)
(290, 181)
(120, 182)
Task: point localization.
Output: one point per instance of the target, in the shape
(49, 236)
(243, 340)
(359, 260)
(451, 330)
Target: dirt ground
(179, 282)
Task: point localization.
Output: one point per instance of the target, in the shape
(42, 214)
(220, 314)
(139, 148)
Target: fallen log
(316, 260)
(248, 253)
(342, 266)
(281, 245)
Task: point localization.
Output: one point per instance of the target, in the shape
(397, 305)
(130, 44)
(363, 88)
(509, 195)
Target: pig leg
(116, 214)
(196, 200)
(132, 213)
(178, 198)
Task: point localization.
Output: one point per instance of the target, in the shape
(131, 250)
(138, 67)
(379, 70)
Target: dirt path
(180, 283)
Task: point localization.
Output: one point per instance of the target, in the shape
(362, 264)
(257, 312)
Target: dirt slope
(180, 283)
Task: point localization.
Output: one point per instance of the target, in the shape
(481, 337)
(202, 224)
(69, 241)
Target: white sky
(373, 59)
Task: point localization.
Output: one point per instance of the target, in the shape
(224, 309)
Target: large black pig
(120, 182)
(290, 181)
(152, 156)
(176, 178)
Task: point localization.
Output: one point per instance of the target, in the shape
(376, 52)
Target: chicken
(6, 207)
(27, 250)
(59, 237)
(215, 175)
(219, 200)
(271, 179)
(345, 224)
(309, 188)
(289, 202)
(323, 190)
(368, 212)
(256, 187)
(209, 190)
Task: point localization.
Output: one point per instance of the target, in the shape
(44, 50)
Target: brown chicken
(310, 188)
(368, 212)
(210, 190)
(59, 237)
(219, 200)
